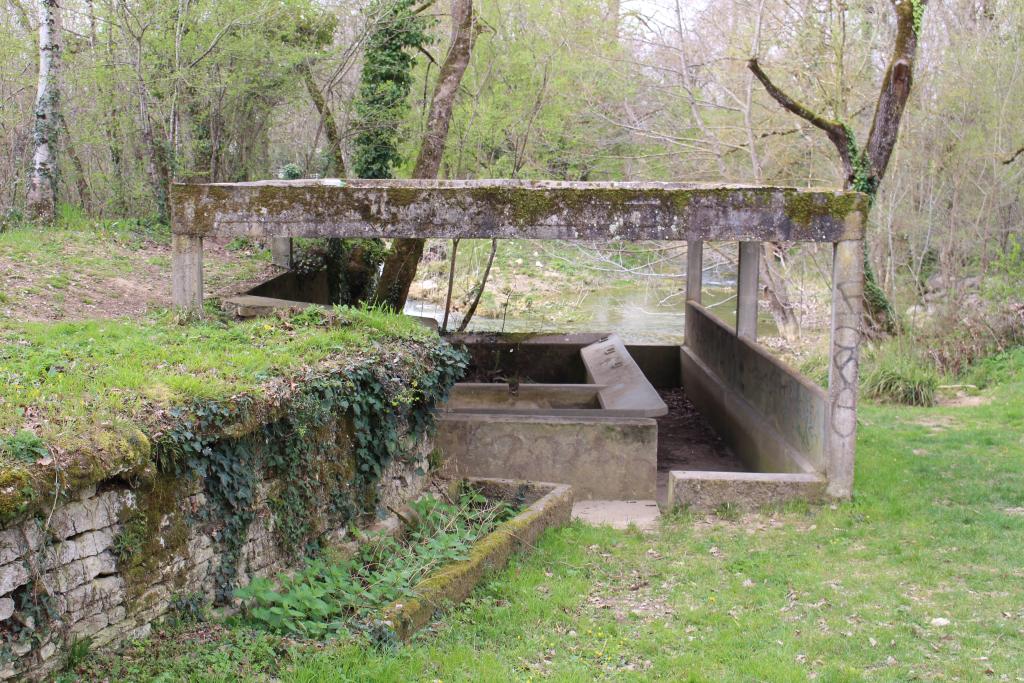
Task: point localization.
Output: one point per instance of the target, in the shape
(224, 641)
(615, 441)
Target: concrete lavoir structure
(794, 436)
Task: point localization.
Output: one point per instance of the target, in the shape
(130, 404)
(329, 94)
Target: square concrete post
(281, 252)
(847, 314)
(694, 270)
(746, 289)
(187, 271)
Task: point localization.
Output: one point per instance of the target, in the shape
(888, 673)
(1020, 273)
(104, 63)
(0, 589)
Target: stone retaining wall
(68, 576)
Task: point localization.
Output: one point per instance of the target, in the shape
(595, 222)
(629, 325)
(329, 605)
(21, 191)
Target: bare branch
(1013, 157)
(835, 131)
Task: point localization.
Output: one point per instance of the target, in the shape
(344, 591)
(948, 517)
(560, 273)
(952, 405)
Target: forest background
(155, 91)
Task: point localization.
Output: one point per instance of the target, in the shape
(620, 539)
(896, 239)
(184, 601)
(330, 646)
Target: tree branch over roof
(835, 130)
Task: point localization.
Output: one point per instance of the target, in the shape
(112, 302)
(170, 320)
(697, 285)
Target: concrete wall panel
(601, 458)
(772, 417)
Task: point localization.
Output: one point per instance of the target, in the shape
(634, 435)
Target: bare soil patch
(81, 276)
(686, 441)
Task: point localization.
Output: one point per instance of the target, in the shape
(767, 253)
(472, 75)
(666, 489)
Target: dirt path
(687, 442)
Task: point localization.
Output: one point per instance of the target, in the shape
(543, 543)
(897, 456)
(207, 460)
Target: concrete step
(619, 514)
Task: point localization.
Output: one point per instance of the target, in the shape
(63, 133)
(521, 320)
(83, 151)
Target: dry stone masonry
(73, 574)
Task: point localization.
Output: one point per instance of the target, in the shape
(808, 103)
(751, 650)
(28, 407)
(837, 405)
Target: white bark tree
(42, 188)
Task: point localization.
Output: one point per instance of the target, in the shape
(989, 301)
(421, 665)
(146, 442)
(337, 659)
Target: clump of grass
(23, 446)
(897, 375)
(815, 368)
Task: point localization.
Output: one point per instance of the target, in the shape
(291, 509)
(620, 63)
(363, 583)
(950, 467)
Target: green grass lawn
(920, 577)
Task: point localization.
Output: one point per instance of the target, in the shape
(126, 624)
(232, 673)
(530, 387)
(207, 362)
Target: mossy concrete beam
(517, 209)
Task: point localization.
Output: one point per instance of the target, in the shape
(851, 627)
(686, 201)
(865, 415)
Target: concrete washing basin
(599, 437)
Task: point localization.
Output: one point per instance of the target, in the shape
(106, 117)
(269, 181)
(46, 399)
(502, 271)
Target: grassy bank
(919, 578)
(82, 401)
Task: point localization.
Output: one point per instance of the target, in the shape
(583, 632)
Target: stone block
(79, 572)
(746, 490)
(12, 545)
(81, 516)
(46, 651)
(89, 626)
(104, 591)
(95, 542)
(6, 608)
(12, 576)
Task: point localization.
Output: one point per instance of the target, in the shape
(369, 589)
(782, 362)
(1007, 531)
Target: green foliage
(1004, 282)
(1002, 368)
(22, 446)
(328, 597)
(384, 86)
(918, 7)
(187, 608)
(77, 653)
(132, 537)
(862, 179)
(899, 375)
(291, 171)
(816, 369)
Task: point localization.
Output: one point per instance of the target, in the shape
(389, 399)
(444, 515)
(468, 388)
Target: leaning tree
(864, 166)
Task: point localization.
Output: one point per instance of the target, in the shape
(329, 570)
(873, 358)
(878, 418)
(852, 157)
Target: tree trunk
(42, 190)
(777, 292)
(865, 168)
(326, 118)
(404, 257)
(68, 147)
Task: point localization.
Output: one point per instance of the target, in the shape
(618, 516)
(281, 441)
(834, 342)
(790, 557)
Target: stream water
(644, 311)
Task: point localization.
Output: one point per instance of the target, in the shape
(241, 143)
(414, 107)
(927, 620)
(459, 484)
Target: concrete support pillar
(187, 271)
(747, 290)
(281, 252)
(847, 315)
(694, 270)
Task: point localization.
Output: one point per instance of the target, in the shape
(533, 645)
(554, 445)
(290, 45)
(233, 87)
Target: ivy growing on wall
(324, 452)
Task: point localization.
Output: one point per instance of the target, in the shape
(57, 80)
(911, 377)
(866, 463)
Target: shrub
(899, 376)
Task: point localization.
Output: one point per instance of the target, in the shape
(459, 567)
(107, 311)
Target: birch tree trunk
(42, 189)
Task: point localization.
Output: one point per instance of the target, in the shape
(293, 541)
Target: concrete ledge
(452, 584)
(747, 490)
(606, 458)
(775, 419)
(250, 306)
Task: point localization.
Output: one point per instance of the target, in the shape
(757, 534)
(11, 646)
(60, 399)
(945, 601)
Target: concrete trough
(597, 431)
(598, 437)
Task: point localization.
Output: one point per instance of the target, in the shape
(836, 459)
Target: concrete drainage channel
(584, 410)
